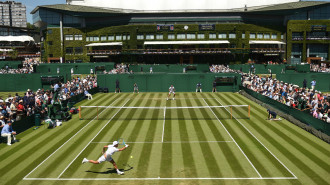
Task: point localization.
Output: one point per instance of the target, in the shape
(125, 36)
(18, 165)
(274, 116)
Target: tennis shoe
(84, 160)
(120, 173)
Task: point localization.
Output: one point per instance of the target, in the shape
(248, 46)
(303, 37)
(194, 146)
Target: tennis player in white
(171, 90)
(107, 152)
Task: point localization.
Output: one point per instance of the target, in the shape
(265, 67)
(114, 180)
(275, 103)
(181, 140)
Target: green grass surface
(4, 95)
(222, 151)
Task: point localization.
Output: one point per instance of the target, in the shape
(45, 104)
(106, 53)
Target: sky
(31, 4)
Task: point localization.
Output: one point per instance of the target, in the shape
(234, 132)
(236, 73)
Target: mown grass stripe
(300, 164)
(261, 110)
(144, 161)
(166, 166)
(80, 139)
(321, 163)
(102, 134)
(213, 168)
(241, 141)
(188, 160)
(233, 161)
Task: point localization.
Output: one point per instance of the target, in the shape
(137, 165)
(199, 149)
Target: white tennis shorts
(171, 92)
(102, 159)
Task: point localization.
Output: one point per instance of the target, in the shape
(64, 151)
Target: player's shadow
(112, 170)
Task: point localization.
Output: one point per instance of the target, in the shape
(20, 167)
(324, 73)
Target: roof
(76, 8)
(186, 42)
(265, 42)
(16, 38)
(91, 9)
(290, 6)
(106, 44)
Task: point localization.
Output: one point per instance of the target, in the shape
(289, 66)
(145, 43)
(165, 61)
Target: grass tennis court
(169, 146)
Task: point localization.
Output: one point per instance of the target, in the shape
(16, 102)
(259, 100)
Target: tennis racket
(121, 141)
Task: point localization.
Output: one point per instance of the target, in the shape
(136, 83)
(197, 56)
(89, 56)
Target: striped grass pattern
(209, 150)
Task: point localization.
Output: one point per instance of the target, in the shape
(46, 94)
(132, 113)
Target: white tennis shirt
(111, 150)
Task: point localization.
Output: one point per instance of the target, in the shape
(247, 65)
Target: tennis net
(167, 113)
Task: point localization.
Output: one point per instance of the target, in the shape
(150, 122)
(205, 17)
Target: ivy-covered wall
(304, 26)
(55, 50)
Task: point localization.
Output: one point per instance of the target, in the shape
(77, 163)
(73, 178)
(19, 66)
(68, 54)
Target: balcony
(318, 38)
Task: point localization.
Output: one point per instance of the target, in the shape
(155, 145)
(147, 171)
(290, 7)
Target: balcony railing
(317, 38)
(185, 51)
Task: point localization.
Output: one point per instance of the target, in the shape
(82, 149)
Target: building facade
(293, 32)
(12, 14)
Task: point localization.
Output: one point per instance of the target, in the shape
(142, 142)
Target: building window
(260, 36)
(119, 37)
(252, 35)
(232, 35)
(181, 36)
(124, 37)
(243, 35)
(282, 37)
(140, 37)
(191, 36)
(69, 51)
(68, 37)
(96, 39)
(150, 37)
(171, 36)
(222, 35)
(88, 39)
(159, 37)
(266, 36)
(78, 37)
(274, 36)
(201, 36)
(103, 37)
(128, 37)
(212, 36)
(78, 50)
(111, 37)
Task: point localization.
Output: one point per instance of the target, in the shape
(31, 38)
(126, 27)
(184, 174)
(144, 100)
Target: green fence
(276, 69)
(10, 64)
(19, 82)
(160, 82)
(322, 80)
(170, 68)
(78, 68)
(297, 114)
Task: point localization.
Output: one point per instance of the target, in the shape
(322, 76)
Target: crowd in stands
(27, 67)
(119, 69)
(322, 68)
(221, 69)
(302, 98)
(13, 108)
(291, 95)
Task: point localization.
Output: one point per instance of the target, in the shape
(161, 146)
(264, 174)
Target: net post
(97, 112)
(79, 109)
(231, 112)
(249, 111)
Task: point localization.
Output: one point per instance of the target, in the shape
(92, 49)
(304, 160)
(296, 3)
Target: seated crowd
(119, 69)
(321, 68)
(221, 69)
(28, 67)
(15, 107)
(291, 95)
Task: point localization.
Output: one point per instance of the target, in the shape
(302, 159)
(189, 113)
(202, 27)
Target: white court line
(261, 143)
(164, 124)
(158, 178)
(175, 98)
(233, 139)
(65, 142)
(91, 140)
(157, 142)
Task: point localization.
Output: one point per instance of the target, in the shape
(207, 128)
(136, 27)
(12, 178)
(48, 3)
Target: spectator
(313, 84)
(89, 96)
(117, 86)
(7, 131)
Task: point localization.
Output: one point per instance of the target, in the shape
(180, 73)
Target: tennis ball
(131, 157)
